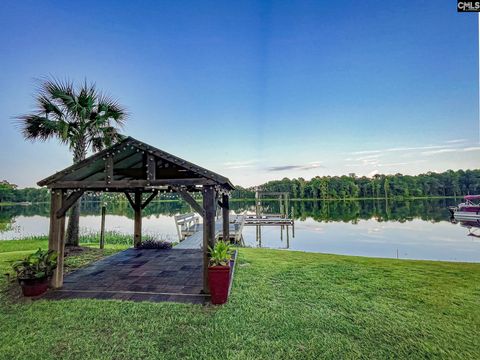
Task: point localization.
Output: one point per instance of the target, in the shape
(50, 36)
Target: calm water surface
(417, 229)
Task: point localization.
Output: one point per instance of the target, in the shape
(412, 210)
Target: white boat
(468, 210)
(466, 215)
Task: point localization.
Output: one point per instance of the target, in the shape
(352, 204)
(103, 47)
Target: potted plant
(219, 272)
(35, 270)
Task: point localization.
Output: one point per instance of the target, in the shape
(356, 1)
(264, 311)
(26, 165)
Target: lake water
(417, 229)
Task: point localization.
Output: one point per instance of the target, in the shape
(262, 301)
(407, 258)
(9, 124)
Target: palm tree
(81, 117)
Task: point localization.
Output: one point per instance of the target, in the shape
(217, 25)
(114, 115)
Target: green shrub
(38, 265)
(220, 254)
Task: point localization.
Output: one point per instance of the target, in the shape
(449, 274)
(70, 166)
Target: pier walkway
(192, 232)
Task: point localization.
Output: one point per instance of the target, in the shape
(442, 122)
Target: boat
(469, 204)
(468, 210)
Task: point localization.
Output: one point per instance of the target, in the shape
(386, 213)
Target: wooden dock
(268, 219)
(190, 230)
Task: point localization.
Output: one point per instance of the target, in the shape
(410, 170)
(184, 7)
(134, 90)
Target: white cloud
(440, 151)
(474, 148)
(394, 164)
(368, 157)
(451, 150)
(395, 149)
(309, 166)
(241, 164)
(456, 141)
(365, 152)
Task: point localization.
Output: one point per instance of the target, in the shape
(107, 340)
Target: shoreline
(263, 199)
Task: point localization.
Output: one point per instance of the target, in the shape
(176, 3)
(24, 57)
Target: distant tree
(78, 116)
(7, 191)
(324, 187)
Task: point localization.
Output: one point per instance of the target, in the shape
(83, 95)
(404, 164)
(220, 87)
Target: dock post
(137, 228)
(208, 230)
(260, 236)
(226, 217)
(280, 204)
(257, 203)
(292, 216)
(102, 227)
(288, 239)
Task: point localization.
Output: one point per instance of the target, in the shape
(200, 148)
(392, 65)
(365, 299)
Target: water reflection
(346, 211)
(283, 232)
(418, 229)
(355, 210)
(473, 227)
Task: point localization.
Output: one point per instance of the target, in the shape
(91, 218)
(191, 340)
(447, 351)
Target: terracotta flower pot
(218, 282)
(34, 287)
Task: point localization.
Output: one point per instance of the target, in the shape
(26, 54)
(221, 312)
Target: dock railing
(186, 224)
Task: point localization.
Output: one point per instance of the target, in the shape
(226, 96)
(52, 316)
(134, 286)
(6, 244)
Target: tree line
(448, 183)
(10, 193)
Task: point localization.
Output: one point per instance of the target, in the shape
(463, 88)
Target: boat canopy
(472, 197)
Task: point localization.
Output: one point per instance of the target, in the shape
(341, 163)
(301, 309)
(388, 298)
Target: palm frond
(47, 106)
(65, 131)
(103, 137)
(111, 109)
(36, 127)
(87, 96)
(62, 91)
(97, 144)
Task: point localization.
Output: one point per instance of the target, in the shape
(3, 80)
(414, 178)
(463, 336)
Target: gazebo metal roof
(134, 165)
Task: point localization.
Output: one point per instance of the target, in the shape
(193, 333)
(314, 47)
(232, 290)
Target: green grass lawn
(284, 305)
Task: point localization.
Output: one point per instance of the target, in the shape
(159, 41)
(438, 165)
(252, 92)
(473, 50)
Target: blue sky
(256, 90)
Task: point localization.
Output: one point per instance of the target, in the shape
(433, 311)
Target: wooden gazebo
(135, 168)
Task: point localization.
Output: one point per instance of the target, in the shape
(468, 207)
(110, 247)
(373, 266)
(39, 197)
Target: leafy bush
(37, 265)
(221, 254)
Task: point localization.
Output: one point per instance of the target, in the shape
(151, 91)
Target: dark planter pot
(218, 282)
(34, 287)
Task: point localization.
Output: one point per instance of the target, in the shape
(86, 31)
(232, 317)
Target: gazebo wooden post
(137, 232)
(208, 229)
(56, 239)
(226, 217)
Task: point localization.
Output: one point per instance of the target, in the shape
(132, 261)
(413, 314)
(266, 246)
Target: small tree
(78, 116)
(7, 191)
